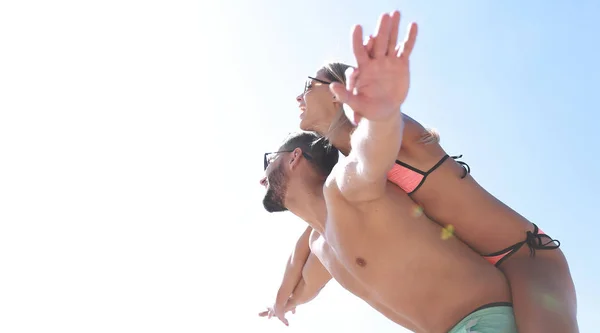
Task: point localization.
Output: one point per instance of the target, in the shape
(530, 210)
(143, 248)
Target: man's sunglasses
(268, 161)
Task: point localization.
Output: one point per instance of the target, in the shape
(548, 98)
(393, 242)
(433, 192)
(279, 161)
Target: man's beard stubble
(273, 200)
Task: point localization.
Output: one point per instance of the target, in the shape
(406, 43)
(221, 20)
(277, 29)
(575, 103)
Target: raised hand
(379, 85)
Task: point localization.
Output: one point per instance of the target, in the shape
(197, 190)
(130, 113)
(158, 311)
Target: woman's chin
(312, 125)
(305, 125)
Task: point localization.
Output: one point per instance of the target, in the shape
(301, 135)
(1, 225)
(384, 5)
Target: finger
(351, 115)
(409, 43)
(357, 46)
(351, 100)
(395, 25)
(356, 118)
(351, 77)
(340, 92)
(281, 317)
(382, 36)
(369, 45)
(263, 314)
(294, 310)
(343, 95)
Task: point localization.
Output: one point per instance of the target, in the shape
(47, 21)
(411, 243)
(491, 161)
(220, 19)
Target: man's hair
(323, 155)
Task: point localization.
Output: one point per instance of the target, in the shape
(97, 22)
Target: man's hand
(279, 312)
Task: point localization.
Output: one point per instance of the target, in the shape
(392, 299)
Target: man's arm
(293, 269)
(314, 277)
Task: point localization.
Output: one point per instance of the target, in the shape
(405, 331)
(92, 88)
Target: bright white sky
(132, 134)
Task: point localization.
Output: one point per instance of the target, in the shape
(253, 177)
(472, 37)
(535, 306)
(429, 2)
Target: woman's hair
(429, 136)
(336, 72)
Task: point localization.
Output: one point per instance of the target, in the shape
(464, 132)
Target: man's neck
(310, 206)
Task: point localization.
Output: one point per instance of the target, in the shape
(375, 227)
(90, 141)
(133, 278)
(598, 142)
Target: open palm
(379, 85)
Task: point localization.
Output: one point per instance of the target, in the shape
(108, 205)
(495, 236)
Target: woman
(543, 292)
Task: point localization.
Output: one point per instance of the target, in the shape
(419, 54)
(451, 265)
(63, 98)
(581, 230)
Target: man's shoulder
(331, 189)
(347, 183)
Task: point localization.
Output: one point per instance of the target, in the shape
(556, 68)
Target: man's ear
(295, 158)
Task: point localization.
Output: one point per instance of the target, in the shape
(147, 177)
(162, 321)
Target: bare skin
(315, 276)
(542, 287)
(377, 249)
(365, 232)
(403, 260)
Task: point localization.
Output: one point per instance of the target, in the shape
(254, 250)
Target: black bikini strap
(506, 253)
(534, 241)
(424, 173)
(437, 165)
(463, 164)
(409, 167)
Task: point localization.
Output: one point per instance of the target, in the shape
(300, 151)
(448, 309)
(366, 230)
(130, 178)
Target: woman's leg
(543, 292)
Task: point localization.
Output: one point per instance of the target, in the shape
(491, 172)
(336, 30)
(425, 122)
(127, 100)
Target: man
(366, 235)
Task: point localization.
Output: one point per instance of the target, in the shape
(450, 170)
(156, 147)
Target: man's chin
(273, 207)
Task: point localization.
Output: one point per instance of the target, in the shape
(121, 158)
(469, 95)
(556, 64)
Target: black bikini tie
(534, 241)
(464, 165)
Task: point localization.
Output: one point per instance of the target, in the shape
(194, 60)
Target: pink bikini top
(410, 178)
